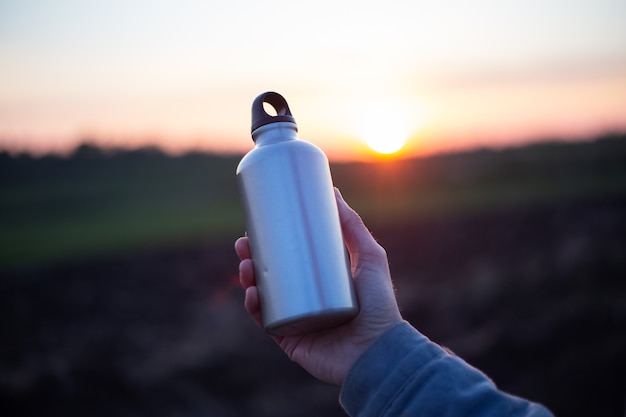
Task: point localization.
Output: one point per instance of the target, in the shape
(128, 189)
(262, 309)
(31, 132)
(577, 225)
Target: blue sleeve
(405, 374)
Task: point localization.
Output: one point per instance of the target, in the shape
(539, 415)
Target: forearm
(404, 373)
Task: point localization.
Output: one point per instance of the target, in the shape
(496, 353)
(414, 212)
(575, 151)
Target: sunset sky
(182, 74)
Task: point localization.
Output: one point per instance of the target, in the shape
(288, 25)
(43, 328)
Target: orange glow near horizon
(448, 120)
(445, 80)
(436, 120)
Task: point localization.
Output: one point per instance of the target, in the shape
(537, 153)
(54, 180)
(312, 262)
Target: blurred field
(57, 209)
(118, 292)
(92, 204)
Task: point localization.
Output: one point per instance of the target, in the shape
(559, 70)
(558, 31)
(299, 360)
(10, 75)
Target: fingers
(242, 248)
(246, 268)
(246, 273)
(248, 280)
(252, 304)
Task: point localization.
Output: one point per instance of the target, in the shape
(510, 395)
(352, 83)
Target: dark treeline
(542, 160)
(605, 144)
(89, 157)
(602, 154)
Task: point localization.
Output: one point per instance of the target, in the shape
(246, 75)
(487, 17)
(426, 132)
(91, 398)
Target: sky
(182, 74)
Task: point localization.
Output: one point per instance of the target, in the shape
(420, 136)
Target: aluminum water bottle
(300, 261)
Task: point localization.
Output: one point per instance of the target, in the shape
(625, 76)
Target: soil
(534, 297)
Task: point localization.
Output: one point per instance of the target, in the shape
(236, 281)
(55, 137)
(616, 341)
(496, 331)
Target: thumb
(361, 245)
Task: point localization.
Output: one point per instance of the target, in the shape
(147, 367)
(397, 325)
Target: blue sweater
(405, 374)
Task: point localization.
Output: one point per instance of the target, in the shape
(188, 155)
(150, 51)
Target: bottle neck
(275, 133)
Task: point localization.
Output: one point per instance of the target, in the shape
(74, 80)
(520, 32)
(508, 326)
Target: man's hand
(329, 354)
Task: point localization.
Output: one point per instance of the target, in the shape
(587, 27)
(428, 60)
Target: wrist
(363, 343)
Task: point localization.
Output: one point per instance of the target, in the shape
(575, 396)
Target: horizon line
(105, 150)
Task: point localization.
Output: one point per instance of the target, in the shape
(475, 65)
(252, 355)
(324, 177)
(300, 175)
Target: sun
(384, 129)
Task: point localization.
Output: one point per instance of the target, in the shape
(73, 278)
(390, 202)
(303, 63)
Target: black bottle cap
(260, 116)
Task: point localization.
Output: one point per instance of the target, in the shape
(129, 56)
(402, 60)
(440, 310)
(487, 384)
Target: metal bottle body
(301, 265)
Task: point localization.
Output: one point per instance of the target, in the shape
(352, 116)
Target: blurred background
(483, 143)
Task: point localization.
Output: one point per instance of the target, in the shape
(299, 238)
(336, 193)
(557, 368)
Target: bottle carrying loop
(261, 118)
